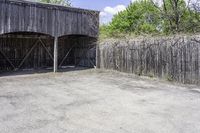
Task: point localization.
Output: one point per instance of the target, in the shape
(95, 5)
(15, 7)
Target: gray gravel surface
(96, 101)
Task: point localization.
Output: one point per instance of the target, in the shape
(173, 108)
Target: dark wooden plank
(21, 16)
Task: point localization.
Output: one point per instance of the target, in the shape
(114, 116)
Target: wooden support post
(55, 66)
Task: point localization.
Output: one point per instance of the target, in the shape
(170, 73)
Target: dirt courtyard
(96, 101)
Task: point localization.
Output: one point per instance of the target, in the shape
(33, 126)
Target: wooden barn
(37, 35)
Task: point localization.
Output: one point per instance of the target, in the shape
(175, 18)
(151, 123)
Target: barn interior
(28, 50)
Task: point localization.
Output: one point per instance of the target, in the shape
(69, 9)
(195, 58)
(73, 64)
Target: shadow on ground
(41, 71)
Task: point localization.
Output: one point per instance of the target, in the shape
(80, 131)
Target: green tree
(174, 14)
(60, 2)
(179, 16)
(139, 17)
(104, 31)
(146, 17)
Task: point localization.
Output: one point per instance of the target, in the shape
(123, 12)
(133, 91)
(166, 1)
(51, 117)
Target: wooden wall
(54, 20)
(83, 50)
(175, 58)
(15, 47)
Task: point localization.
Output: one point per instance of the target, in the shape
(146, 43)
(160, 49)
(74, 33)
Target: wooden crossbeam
(9, 61)
(42, 43)
(84, 54)
(30, 51)
(27, 55)
(67, 55)
(91, 62)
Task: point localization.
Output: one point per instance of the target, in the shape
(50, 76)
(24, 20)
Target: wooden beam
(66, 55)
(42, 43)
(16, 36)
(55, 66)
(91, 62)
(27, 55)
(7, 59)
(84, 55)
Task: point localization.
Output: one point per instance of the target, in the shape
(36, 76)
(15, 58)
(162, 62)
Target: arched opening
(25, 50)
(76, 50)
(30, 50)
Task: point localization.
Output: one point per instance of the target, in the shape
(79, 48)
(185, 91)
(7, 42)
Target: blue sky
(107, 7)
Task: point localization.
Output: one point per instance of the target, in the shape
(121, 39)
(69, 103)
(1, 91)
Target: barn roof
(51, 19)
(51, 6)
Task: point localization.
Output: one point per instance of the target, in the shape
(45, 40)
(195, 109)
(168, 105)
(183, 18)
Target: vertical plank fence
(173, 58)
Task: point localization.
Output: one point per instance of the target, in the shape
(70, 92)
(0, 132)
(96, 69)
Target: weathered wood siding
(83, 50)
(16, 47)
(24, 23)
(175, 59)
(54, 20)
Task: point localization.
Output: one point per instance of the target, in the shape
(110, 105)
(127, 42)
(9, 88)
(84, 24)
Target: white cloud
(114, 10)
(103, 14)
(108, 12)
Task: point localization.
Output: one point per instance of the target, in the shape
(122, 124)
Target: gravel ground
(96, 101)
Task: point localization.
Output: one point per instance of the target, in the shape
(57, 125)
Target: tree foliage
(147, 17)
(60, 2)
(179, 17)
